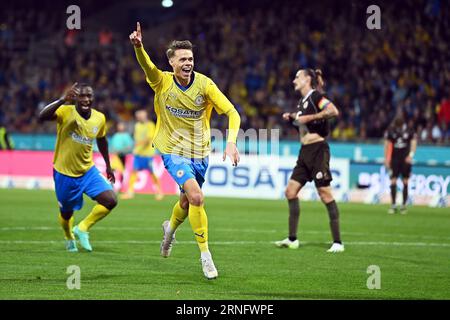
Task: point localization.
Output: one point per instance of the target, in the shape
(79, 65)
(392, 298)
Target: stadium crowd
(252, 53)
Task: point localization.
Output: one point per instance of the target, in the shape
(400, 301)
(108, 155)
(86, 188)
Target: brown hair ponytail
(319, 77)
(316, 78)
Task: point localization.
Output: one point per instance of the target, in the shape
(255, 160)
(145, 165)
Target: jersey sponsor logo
(79, 139)
(199, 100)
(183, 113)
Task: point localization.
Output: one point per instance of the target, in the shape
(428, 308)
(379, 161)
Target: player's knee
(110, 202)
(325, 196)
(290, 193)
(196, 199)
(184, 204)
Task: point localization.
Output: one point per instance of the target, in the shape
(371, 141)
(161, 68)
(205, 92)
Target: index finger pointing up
(138, 27)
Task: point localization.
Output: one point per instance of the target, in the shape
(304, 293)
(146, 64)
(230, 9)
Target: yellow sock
(67, 227)
(97, 214)
(178, 216)
(131, 182)
(199, 224)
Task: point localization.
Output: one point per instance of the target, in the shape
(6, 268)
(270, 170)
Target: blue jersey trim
(182, 88)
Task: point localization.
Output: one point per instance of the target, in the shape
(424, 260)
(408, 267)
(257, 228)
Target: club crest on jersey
(172, 95)
(180, 173)
(95, 130)
(199, 100)
(305, 104)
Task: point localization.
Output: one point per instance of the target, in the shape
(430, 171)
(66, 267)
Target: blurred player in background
(184, 100)
(74, 171)
(143, 153)
(313, 112)
(121, 145)
(399, 149)
(5, 140)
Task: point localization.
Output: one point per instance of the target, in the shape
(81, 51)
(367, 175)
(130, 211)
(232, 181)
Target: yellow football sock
(199, 224)
(131, 182)
(97, 214)
(67, 226)
(178, 216)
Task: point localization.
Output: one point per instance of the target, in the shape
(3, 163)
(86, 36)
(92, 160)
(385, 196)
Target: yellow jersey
(183, 113)
(74, 140)
(143, 138)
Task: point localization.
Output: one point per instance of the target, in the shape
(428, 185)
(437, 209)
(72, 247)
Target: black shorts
(400, 167)
(313, 163)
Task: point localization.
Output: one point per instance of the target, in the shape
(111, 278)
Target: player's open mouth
(186, 71)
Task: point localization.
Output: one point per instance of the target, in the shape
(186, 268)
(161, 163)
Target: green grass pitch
(412, 252)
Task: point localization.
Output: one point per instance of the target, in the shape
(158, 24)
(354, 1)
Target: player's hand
(136, 36)
(408, 160)
(110, 175)
(232, 152)
(71, 94)
(286, 116)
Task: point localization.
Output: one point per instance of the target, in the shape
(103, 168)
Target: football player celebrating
(74, 172)
(184, 100)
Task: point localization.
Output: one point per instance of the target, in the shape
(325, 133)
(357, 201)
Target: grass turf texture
(412, 252)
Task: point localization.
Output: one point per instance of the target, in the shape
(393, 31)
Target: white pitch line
(45, 228)
(350, 243)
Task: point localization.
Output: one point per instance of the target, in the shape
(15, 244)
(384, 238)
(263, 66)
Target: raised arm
(152, 73)
(48, 112)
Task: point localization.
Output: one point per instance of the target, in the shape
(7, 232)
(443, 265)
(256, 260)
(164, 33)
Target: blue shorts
(142, 163)
(181, 169)
(69, 190)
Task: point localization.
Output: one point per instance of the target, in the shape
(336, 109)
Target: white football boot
(336, 247)
(167, 241)
(286, 243)
(209, 269)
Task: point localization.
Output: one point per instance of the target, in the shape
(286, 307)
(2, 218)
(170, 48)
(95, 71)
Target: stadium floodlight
(167, 3)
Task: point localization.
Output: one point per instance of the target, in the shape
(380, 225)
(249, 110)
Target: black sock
(405, 193)
(294, 215)
(333, 213)
(393, 193)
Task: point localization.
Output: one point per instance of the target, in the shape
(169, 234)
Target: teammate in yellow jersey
(184, 100)
(143, 153)
(74, 172)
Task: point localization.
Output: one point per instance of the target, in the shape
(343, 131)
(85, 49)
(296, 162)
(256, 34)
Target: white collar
(307, 95)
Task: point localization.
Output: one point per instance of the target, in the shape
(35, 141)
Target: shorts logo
(199, 100)
(319, 175)
(60, 204)
(180, 173)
